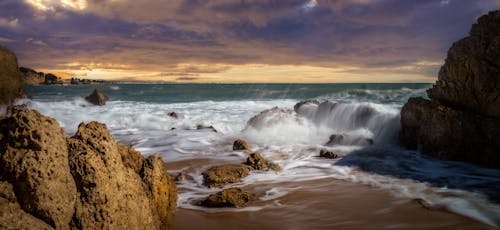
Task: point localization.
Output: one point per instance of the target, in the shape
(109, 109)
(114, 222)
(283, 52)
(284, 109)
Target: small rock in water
(97, 98)
(228, 198)
(241, 145)
(173, 115)
(221, 175)
(258, 162)
(206, 127)
(180, 177)
(328, 154)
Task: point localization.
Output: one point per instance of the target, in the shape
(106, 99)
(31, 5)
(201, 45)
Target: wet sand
(325, 204)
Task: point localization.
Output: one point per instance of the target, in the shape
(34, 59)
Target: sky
(236, 41)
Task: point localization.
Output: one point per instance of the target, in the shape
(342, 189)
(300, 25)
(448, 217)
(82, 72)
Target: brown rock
(241, 145)
(451, 134)
(470, 77)
(12, 216)
(34, 159)
(163, 192)
(131, 158)
(219, 176)
(112, 195)
(228, 198)
(97, 98)
(328, 154)
(11, 84)
(258, 162)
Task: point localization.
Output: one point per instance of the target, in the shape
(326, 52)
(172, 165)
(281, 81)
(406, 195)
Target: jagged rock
(221, 175)
(97, 98)
(451, 134)
(161, 186)
(241, 145)
(328, 154)
(12, 216)
(462, 120)
(11, 84)
(173, 115)
(228, 198)
(34, 159)
(258, 162)
(112, 195)
(470, 77)
(131, 158)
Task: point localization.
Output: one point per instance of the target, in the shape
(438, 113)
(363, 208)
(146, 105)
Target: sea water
(265, 115)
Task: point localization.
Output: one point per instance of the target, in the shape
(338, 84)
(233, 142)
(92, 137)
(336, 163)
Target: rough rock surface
(218, 176)
(241, 145)
(258, 162)
(228, 198)
(87, 181)
(34, 159)
(97, 98)
(462, 119)
(11, 84)
(109, 188)
(470, 77)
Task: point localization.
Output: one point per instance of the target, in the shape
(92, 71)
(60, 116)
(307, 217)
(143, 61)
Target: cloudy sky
(238, 40)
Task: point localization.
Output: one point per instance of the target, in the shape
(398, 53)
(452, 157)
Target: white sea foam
(291, 138)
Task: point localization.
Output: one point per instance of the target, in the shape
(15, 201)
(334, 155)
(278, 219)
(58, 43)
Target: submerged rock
(462, 119)
(97, 98)
(173, 115)
(241, 145)
(198, 127)
(228, 198)
(328, 154)
(34, 159)
(218, 176)
(344, 139)
(258, 162)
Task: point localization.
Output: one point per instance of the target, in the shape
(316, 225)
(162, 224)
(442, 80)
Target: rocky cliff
(11, 85)
(87, 181)
(461, 121)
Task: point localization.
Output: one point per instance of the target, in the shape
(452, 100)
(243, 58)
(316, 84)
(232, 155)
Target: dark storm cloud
(156, 35)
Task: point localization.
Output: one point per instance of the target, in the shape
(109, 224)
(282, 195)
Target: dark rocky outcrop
(328, 154)
(228, 198)
(11, 84)
(240, 144)
(32, 77)
(97, 98)
(462, 119)
(258, 162)
(218, 176)
(87, 181)
(173, 115)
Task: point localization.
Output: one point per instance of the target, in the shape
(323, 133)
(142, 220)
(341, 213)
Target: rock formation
(462, 119)
(11, 84)
(87, 181)
(228, 198)
(241, 145)
(218, 176)
(32, 77)
(328, 154)
(258, 162)
(97, 98)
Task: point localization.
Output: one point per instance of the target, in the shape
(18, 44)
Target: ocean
(366, 116)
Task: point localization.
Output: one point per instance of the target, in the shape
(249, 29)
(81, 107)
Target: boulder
(470, 78)
(258, 162)
(97, 98)
(241, 145)
(11, 84)
(111, 194)
(451, 134)
(218, 176)
(34, 159)
(462, 119)
(328, 154)
(228, 198)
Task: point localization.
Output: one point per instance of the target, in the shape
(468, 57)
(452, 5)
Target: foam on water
(365, 138)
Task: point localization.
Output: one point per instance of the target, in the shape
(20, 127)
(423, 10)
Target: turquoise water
(175, 93)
